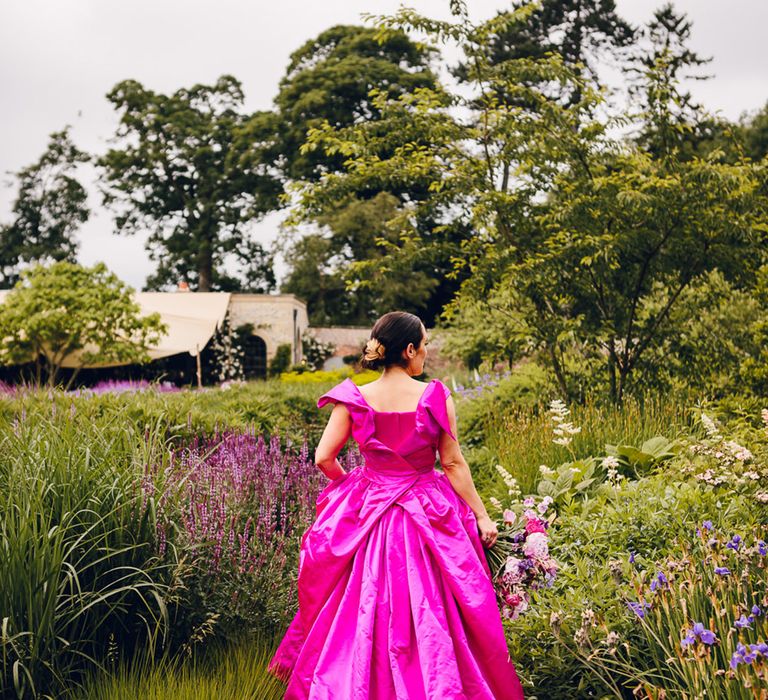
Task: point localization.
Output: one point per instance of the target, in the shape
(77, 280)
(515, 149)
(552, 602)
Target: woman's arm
(334, 437)
(455, 466)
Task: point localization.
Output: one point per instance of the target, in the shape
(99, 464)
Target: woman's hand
(488, 529)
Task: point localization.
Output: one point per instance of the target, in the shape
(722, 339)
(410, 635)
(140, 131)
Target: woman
(395, 594)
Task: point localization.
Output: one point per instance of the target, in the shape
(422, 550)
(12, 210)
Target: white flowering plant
(722, 461)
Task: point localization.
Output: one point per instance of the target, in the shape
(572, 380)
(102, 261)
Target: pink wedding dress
(395, 595)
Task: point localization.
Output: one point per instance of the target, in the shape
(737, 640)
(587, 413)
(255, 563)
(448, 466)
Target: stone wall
(277, 319)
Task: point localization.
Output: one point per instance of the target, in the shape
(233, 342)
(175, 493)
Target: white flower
(610, 462)
(509, 480)
(495, 502)
(562, 441)
(546, 471)
(710, 427)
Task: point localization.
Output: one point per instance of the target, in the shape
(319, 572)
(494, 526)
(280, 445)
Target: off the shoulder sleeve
(438, 409)
(337, 394)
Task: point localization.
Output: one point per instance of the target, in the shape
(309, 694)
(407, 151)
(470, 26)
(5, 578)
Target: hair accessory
(374, 350)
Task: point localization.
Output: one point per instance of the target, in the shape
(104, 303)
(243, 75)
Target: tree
(755, 133)
(580, 31)
(50, 206)
(186, 171)
(582, 244)
(68, 313)
(329, 78)
(326, 268)
(656, 71)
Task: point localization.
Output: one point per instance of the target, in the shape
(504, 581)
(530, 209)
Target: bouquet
(519, 560)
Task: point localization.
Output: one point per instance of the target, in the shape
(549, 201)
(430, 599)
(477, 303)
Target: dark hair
(394, 330)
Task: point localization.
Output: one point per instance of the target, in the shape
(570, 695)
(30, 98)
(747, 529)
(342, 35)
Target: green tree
(68, 313)
(582, 244)
(329, 78)
(582, 32)
(330, 81)
(50, 206)
(185, 170)
(755, 133)
(661, 59)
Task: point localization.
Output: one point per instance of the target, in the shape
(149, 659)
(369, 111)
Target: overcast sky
(59, 58)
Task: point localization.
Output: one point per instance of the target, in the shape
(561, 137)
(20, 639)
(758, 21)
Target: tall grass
(236, 671)
(78, 569)
(521, 438)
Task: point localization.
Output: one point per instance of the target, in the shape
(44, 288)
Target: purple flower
(631, 557)
(762, 548)
(742, 623)
(722, 570)
(660, 579)
(735, 543)
(638, 608)
(698, 631)
(742, 655)
(756, 611)
(707, 525)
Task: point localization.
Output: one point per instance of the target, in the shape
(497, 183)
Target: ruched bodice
(395, 596)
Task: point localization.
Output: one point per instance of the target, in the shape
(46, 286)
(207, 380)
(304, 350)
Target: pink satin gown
(395, 595)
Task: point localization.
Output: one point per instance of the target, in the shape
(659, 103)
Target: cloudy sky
(59, 58)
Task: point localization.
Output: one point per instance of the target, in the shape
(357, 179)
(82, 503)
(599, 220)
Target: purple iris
(707, 525)
(638, 608)
(698, 631)
(722, 570)
(658, 581)
(742, 655)
(735, 543)
(762, 547)
(756, 611)
(742, 623)
(631, 557)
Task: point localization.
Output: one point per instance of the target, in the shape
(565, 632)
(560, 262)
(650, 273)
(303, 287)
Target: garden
(595, 271)
(151, 547)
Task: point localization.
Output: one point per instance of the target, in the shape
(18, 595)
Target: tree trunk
(205, 259)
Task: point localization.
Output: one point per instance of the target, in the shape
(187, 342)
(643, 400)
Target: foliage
(185, 171)
(70, 314)
(330, 78)
(228, 671)
(49, 207)
(228, 351)
(702, 613)
(331, 375)
(78, 567)
(582, 32)
(281, 360)
(585, 276)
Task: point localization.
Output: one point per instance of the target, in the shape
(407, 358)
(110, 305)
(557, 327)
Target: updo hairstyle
(390, 335)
